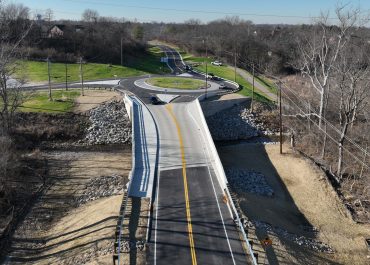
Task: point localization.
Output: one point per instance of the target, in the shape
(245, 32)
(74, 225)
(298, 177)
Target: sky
(258, 11)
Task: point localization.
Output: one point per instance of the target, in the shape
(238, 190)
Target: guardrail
(129, 101)
(213, 93)
(221, 176)
(119, 227)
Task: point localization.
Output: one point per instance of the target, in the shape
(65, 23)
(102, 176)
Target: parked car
(217, 63)
(154, 100)
(223, 86)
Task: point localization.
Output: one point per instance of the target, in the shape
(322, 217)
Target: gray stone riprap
(110, 124)
(99, 187)
(236, 123)
(242, 181)
(89, 255)
(300, 240)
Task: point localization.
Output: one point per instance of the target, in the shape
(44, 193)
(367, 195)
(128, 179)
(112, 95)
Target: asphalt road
(174, 60)
(191, 224)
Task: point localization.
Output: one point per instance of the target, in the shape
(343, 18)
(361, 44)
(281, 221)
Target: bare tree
(49, 16)
(319, 51)
(353, 87)
(90, 16)
(10, 53)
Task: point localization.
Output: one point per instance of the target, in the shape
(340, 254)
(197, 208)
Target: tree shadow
(278, 211)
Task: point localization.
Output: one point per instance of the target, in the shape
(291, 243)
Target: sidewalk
(248, 77)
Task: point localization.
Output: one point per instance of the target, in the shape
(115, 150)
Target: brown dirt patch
(59, 231)
(303, 196)
(94, 98)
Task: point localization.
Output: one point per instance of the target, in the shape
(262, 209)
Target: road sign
(266, 242)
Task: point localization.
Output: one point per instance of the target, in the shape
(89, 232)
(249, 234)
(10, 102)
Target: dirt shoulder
(304, 204)
(94, 98)
(73, 220)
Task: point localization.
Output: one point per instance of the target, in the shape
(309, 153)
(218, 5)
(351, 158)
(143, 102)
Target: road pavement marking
(207, 156)
(186, 191)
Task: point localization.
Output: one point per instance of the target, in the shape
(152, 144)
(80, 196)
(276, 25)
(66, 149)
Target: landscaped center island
(176, 82)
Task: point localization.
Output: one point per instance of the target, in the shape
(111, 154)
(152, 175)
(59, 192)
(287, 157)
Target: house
(56, 31)
(79, 28)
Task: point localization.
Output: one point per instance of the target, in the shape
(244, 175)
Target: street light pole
(81, 77)
(66, 65)
(121, 51)
(205, 43)
(280, 122)
(252, 87)
(49, 79)
(235, 65)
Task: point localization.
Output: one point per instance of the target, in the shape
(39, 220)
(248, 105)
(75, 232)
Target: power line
(194, 11)
(335, 141)
(325, 120)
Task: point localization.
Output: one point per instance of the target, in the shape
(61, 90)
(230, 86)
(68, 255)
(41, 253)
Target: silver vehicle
(217, 63)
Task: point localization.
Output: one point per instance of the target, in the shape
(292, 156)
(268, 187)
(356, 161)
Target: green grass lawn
(63, 101)
(268, 83)
(228, 73)
(148, 63)
(193, 59)
(176, 82)
(38, 71)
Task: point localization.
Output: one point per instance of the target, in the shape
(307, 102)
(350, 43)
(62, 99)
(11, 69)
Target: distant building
(60, 31)
(56, 31)
(79, 28)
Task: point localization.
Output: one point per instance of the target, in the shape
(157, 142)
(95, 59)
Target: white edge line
(157, 201)
(213, 185)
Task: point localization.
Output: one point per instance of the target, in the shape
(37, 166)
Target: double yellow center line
(186, 191)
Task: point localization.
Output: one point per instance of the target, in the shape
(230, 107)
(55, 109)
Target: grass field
(38, 71)
(227, 73)
(176, 82)
(63, 101)
(149, 63)
(193, 59)
(267, 83)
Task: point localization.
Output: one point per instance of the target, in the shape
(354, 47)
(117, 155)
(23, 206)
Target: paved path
(145, 145)
(257, 85)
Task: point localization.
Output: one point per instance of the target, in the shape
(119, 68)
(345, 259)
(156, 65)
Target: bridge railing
(119, 227)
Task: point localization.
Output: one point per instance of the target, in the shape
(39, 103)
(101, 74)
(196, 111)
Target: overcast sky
(259, 11)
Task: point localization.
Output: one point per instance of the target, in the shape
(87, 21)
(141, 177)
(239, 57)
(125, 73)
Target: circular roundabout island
(176, 83)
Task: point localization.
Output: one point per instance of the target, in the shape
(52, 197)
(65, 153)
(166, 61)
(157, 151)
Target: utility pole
(49, 78)
(235, 65)
(280, 122)
(252, 88)
(81, 78)
(121, 51)
(66, 65)
(309, 116)
(205, 43)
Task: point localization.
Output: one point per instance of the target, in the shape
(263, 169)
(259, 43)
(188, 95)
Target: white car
(217, 63)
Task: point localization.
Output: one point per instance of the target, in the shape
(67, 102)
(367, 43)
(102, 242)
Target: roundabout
(187, 85)
(177, 83)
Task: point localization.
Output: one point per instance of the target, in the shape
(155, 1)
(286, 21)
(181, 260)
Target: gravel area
(242, 180)
(236, 123)
(300, 240)
(110, 124)
(100, 187)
